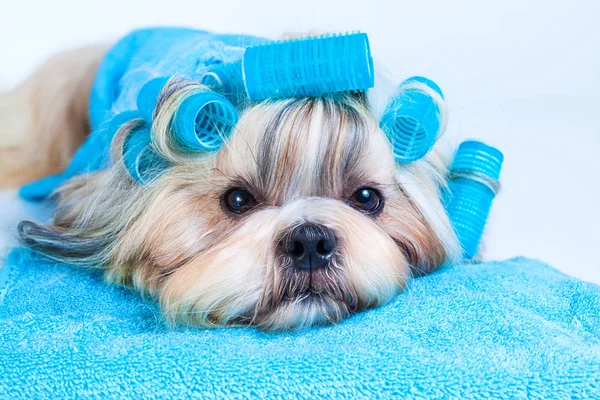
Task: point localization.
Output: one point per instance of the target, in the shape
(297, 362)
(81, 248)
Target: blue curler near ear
(473, 185)
(141, 160)
(310, 67)
(203, 121)
(148, 97)
(412, 120)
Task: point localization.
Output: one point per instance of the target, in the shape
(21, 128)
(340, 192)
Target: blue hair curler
(141, 160)
(202, 121)
(411, 120)
(473, 186)
(227, 79)
(308, 67)
(148, 97)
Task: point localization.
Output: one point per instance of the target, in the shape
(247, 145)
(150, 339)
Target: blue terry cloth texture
(511, 329)
(137, 58)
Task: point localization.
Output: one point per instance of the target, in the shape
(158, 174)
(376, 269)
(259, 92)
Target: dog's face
(299, 220)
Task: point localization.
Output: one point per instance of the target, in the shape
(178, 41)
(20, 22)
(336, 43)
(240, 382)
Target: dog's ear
(417, 219)
(405, 224)
(421, 246)
(60, 245)
(424, 255)
(68, 238)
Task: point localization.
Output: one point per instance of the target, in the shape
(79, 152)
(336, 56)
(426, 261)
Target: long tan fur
(45, 119)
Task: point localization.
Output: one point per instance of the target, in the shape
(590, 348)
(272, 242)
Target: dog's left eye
(239, 200)
(366, 200)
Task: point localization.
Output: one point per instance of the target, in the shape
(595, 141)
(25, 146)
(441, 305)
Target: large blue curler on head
(308, 67)
(304, 67)
(141, 160)
(201, 123)
(473, 185)
(412, 119)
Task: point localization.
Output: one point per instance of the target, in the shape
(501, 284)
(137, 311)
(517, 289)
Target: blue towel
(511, 329)
(137, 58)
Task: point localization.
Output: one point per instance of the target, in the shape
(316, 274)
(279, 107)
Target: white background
(521, 75)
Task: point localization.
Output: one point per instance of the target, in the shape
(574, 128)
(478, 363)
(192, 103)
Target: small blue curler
(148, 97)
(201, 123)
(141, 160)
(306, 67)
(473, 186)
(411, 120)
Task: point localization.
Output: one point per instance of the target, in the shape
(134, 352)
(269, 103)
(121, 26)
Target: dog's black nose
(310, 246)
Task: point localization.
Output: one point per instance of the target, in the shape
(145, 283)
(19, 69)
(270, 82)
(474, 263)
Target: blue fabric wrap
(511, 329)
(128, 65)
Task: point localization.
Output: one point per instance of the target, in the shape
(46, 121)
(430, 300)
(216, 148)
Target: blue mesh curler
(140, 159)
(301, 67)
(411, 120)
(473, 186)
(202, 121)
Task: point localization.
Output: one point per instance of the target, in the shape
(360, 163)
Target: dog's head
(302, 218)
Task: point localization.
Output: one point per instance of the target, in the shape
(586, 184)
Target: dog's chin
(307, 299)
(305, 310)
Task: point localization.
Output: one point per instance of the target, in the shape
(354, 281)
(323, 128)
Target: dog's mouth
(311, 296)
(304, 299)
(311, 286)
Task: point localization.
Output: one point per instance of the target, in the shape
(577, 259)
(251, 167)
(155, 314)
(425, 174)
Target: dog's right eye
(366, 200)
(239, 200)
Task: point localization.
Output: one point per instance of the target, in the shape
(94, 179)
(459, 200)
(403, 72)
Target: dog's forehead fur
(322, 147)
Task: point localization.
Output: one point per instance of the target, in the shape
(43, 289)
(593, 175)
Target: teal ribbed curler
(148, 97)
(203, 121)
(411, 120)
(141, 160)
(308, 67)
(473, 186)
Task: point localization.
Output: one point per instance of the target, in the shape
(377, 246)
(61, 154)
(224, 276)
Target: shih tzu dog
(302, 218)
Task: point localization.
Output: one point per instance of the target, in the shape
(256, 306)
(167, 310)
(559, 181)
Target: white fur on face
(244, 278)
(302, 160)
